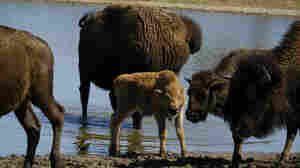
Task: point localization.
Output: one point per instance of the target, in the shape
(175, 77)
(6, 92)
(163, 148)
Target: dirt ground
(194, 160)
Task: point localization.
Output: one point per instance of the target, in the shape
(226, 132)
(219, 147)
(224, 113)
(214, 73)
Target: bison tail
(83, 20)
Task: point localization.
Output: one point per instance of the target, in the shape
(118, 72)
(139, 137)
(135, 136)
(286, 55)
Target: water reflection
(58, 25)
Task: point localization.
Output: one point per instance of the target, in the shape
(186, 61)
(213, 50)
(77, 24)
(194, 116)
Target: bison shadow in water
(26, 78)
(127, 39)
(261, 99)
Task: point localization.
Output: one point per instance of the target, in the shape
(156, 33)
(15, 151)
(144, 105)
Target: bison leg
(115, 124)
(291, 134)
(84, 97)
(137, 118)
(180, 132)
(236, 157)
(55, 114)
(113, 100)
(32, 127)
(163, 133)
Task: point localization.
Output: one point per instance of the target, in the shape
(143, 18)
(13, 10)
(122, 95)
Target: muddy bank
(205, 160)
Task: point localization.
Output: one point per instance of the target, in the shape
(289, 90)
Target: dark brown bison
(26, 78)
(127, 39)
(261, 99)
(208, 89)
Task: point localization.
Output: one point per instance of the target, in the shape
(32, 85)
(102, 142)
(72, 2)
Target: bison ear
(158, 92)
(227, 76)
(266, 77)
(217, 85)
(188, 80)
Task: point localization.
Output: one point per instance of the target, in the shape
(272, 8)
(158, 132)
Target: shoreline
(149, 160)
(188, 6)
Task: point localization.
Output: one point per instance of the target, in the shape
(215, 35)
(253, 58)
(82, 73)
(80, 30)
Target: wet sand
(194, 160)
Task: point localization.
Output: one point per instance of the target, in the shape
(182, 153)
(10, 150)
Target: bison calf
(262, 98)
(150, 93)
(26, 78)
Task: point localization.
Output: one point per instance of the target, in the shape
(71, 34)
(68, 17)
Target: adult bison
(26, 78)
(262, 98)
(209, 88)
(127, 39)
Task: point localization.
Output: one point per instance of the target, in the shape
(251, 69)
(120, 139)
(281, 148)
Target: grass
(185, 1)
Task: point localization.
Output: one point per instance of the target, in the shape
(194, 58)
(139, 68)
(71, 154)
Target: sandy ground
(194, 160)
(205, 160)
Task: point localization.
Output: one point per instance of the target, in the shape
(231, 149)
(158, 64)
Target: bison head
(207, 94)
(169, 93)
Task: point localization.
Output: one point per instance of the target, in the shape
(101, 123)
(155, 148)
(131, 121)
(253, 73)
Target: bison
(261, 99)
(26, 78)
(149, 93)
(208, 89)
(127, 39)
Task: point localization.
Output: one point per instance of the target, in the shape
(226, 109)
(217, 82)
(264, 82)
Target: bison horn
(227, 76)
(267, 75)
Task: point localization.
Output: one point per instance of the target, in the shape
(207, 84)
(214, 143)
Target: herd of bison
(253, 90)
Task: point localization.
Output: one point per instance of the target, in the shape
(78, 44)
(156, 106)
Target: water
(57, 24)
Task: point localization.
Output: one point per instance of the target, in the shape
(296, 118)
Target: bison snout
(196, 116)
(173, 111)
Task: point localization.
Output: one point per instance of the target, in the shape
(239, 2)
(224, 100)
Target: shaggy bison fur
(262, 98)
(26, 78)
(127, 39)
(209, 88)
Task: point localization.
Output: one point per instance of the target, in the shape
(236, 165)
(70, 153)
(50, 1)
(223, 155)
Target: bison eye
(200, 96)
(189, 92)
(218, 87)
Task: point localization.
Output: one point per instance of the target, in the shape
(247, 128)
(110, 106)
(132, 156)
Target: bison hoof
(237, 158)
(114, 152)
(57, 162)
(163, 154)
(284, 157)
(83, 121)
(184, 154)
(27, 165)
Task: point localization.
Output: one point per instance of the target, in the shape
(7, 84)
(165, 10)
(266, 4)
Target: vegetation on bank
(274, 4)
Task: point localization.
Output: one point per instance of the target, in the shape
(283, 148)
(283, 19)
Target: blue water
(57, 24)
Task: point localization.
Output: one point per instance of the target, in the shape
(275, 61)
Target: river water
(58, 25)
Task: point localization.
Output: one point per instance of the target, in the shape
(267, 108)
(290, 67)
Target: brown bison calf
(26, 78)
(262, 98)
(149, 93)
